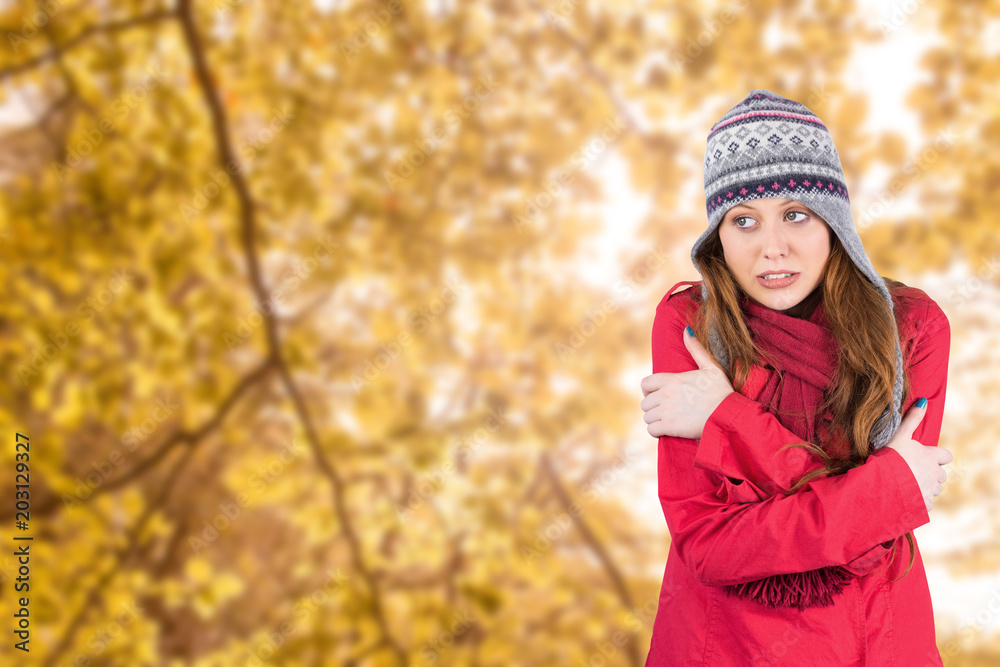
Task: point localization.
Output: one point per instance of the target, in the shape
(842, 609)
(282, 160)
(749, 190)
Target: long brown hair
(864, 329)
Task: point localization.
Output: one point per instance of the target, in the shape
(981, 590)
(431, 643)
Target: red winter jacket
(727, 526)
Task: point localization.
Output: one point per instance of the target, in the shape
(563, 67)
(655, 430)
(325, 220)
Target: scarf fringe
(816, 588)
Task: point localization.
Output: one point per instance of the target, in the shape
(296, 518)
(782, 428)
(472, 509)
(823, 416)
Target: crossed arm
(728, 531)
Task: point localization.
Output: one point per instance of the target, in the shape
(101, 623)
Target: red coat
(727, 526)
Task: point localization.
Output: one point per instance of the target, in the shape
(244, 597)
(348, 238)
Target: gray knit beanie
(769, 146)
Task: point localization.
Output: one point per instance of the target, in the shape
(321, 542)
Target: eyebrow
(786, 202)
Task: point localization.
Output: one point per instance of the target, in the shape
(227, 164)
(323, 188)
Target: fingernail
(922, 402)
(690, 331)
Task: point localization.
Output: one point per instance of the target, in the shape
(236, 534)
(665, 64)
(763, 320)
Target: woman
(788, 475)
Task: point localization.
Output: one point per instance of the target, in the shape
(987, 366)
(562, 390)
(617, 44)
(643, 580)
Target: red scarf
(802, 358)
(805, 352)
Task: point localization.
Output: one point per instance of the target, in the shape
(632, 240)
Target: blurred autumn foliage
(299, 320)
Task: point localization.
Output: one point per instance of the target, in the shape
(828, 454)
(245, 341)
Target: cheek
(737, 257)
(822, 250)
(730, 245)
(812, 244)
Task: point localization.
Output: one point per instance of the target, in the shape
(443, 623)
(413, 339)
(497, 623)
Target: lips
(774, 271)
(777, 283)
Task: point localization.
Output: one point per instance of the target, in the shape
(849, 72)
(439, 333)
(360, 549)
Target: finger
(942, 476)
(912, 420)
(649, 405)
(652, 392)
(943, 456)
(651, 383)
(699, 354)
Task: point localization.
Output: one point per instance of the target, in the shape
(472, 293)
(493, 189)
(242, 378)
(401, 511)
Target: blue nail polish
(922, 402)
(690, 332)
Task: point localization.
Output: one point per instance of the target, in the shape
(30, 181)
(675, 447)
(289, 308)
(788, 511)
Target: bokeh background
(326, 320)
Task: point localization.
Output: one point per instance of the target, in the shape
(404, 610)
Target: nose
(775, 244)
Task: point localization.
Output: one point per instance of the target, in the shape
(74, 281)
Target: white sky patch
(22, 106)
(966, 602)
(601, 261)
(886, 72)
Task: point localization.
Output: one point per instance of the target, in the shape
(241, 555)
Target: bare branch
(248, 221)
(90, 600)
(617, 580)
(51, 503)
(84, 35)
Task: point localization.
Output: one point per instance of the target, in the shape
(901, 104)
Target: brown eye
(736, 221)
(802, 219)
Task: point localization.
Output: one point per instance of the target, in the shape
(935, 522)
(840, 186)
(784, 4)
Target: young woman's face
(761, 237)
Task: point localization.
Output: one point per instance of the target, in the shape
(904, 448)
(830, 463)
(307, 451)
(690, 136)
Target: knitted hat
(769, 146)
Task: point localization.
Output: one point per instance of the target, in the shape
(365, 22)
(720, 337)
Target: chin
(775, 304)
(783, 299)
(778, 299)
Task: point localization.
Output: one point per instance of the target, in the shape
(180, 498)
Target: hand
(926, 463)
(679, 404)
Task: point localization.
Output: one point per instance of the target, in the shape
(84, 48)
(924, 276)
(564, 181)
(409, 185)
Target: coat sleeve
(727, 531)
(743, 441)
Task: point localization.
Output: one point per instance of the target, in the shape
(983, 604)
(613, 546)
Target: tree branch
(51, 503)
(84, 35)
(617, 580)
(90, 600)
(248, 214)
